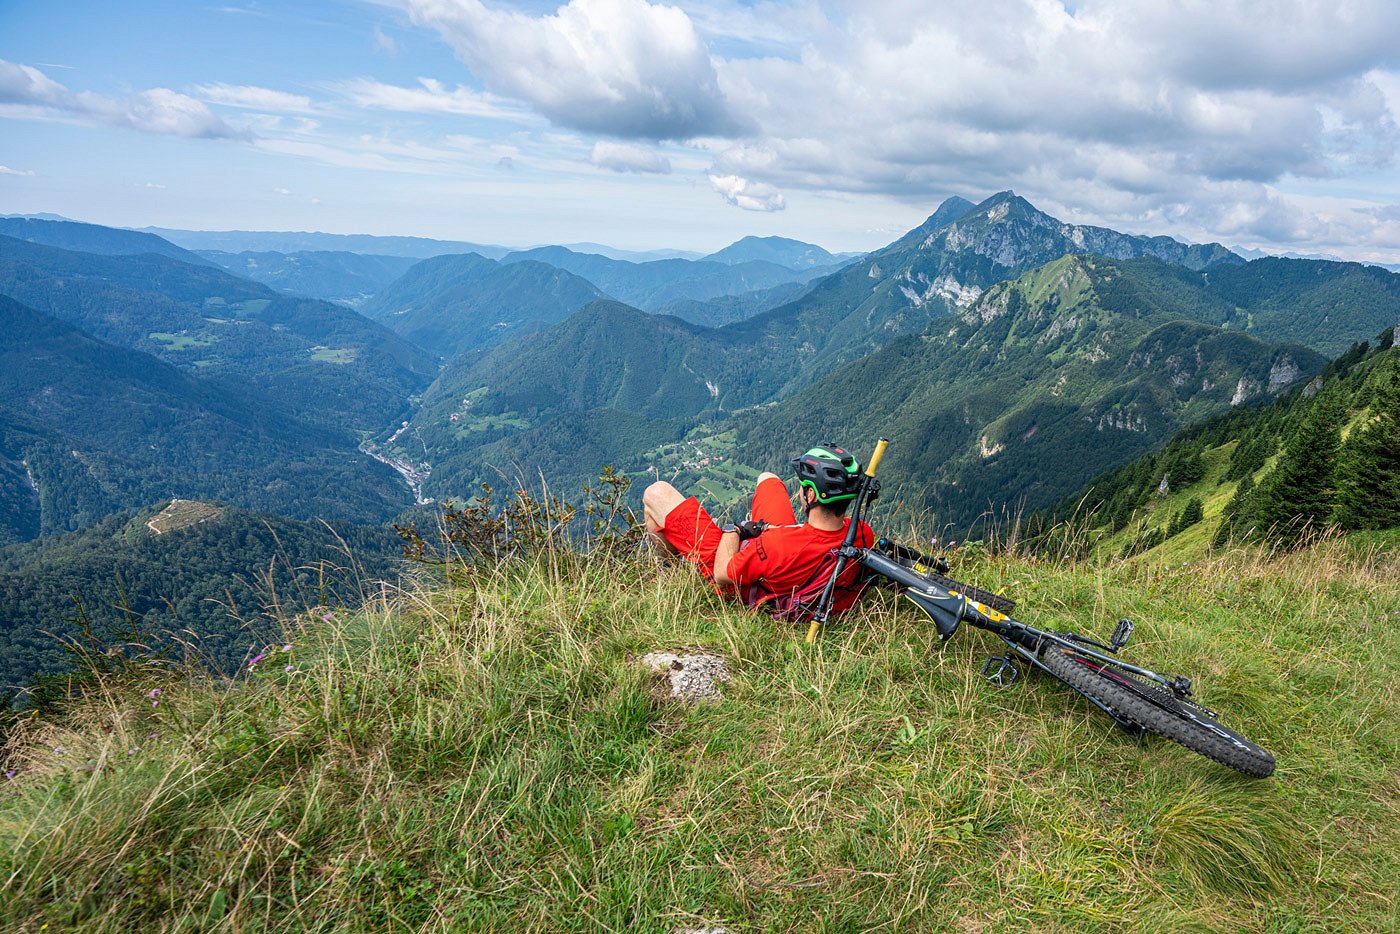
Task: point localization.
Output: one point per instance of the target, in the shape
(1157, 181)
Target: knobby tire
(1157, 709)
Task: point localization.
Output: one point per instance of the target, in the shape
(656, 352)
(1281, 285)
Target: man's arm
(728, 548)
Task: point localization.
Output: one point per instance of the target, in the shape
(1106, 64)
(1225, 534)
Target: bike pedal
(1001, 671)
(1121, 632)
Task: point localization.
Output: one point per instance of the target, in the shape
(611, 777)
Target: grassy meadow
(484, 753)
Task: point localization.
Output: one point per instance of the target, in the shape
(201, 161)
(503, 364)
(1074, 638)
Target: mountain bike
(1137, 699)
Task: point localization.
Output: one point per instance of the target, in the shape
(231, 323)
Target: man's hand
(749, 528)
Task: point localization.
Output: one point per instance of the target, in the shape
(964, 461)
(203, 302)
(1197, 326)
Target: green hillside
(1041, 384)
(323, 360)
(783, 251)
(1326, 454)
(93, 238)
(336, 276)
(490, 756)
(938, 268)
(205, 583)
(452, 304)
(87, 428)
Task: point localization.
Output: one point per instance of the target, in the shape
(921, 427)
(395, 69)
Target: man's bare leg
(657, 502)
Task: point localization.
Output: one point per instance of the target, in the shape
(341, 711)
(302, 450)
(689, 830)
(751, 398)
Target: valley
(1011, 357)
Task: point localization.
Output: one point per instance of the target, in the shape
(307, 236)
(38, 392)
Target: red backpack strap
(800, 604)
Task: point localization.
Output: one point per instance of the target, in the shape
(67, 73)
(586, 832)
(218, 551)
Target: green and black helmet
(832, 474)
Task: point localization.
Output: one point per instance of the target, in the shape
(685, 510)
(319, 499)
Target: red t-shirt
(786, 558)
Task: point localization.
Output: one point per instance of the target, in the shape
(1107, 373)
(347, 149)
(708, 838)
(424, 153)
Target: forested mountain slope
(1327, 454)
(451, 304)
(650, 285)
(336, 276)
(94, 238)
(1040, 384)
(794, 254)
(328, 362)
(936, 269)
(95, 427)
(203, 577)
(713, 373)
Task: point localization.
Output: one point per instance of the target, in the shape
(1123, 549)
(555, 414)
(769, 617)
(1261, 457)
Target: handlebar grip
(875, 458)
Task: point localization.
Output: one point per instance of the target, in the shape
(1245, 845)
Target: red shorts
(691, 531)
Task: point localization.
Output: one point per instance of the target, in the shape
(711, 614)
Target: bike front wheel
(1157, 709)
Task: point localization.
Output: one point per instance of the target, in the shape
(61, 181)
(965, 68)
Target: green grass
(253, 306)
(333, 355)
(470, 424)
(182, 341)
(485, 755)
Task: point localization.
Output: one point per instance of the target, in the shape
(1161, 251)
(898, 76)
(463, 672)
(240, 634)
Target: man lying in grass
(770, 560)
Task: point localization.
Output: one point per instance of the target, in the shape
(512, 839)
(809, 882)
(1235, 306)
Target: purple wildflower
(131, 751)
(153, 736)
(327, 617)
(290, 668)
(9, 773)
(287, 647)
(60, 750)
(154, 694)
(257, 658)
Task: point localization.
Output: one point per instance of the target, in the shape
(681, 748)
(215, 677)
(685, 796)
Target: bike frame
(948, 609)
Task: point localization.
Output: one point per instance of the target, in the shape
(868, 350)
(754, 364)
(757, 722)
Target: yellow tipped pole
(870, 469)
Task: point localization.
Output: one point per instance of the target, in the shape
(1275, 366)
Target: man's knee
(658, 500)
(658, 493)
(766, 475)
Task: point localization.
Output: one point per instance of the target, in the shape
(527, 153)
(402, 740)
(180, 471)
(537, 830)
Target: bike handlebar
(875, 458)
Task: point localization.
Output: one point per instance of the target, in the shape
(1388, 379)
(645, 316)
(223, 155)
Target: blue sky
(643, 125)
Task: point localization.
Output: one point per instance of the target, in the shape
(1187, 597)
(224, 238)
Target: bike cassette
(1001, 671)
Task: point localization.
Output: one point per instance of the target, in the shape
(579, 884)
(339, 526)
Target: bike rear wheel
(1157, 709)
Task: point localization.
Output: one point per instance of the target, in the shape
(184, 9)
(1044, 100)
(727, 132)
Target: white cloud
(751, 196)
(6, 170)
(24, 84)
(154, 185)
(254, 98)
(1162, 110)
(383, 42)
(281, 191)
(431, 97)
(158, 110)
(627, 68)
(625, 157)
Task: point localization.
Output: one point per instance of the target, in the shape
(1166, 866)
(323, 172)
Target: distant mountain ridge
(846, 316)
(650, 285)
(1042, 382)
(266, 241)
(92, 238)
(451, 304)
(781, 251)
(344, 277)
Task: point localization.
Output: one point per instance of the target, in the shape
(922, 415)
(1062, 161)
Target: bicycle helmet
(829, 471)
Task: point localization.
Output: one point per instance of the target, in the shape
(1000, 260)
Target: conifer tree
(1299, 494)
(1368, 476)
